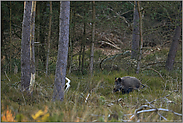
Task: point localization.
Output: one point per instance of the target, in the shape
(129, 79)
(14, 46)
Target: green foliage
(75, 109)
(102, 100)
(19, 117)
(56, 117)
(101, 119)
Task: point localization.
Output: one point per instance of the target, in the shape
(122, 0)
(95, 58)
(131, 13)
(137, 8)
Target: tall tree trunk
(71, 32)
(2, 40)
(61, 66)
(72, 38)
(37, 36)
(175, 42)
(81, 44)
(10, 41)
(136, 36)
(25, 47)
(141, 39)
(42, 47)
(48, 43)
(84, 39)
(173, 49)
(32, 51)
(93, 39)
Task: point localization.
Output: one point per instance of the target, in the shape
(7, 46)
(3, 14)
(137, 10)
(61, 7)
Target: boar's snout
(116, 89)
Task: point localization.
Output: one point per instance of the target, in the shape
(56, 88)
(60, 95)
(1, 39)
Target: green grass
(74, 108)
(102, 105)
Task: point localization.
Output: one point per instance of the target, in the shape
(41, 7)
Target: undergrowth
(102, 104)
(92, 100)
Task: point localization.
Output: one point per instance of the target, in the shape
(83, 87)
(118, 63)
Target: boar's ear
(119, 79)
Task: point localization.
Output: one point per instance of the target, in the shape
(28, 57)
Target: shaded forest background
(112, 58)
(114, 22)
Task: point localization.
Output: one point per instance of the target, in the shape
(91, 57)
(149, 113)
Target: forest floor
(92, 100)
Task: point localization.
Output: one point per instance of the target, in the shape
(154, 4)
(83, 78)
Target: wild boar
(127, 84)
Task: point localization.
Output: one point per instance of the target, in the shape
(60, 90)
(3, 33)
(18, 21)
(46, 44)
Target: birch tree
(60, 74)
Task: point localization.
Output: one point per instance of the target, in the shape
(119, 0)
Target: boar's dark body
(127, 84)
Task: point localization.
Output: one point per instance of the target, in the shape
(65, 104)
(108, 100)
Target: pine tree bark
(175, 42)
(10, 41)
(59, 84)
(42, 47)
(32, 51)
(73, 35)
(70, 45)
(173, 49)
(81, 44)
(25, 47)
(84, 39)
(93, 39)
(141, 39)
(48, 43)
(37, 37)
(135, 35)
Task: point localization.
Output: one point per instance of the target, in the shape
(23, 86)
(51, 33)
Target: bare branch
(112, 45)
(7, 76)
(156, 72)
(120, 17)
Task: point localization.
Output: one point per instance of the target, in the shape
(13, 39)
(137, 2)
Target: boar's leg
(124, 91)
(130, 90)
(115, 90)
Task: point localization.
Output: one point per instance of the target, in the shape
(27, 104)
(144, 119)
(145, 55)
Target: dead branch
(159, 98)
(156, 72)
(158, 109)
(162, 109)
(109, 40)
(125, 54)
(127, 12)
(140, 110)
(7, 76)
(102, 62)
(112, 42)
(112, 45)
(122, 17)
(152, 108)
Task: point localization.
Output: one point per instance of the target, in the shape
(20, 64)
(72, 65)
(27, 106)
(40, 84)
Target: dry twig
(156, 72)
(152, 108)
(7, 76)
